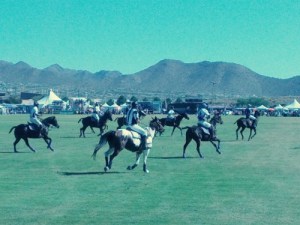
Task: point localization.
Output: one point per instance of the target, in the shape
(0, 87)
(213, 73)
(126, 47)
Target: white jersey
(203, 114)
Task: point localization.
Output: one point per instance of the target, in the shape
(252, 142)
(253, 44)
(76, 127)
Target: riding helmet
(134, 104)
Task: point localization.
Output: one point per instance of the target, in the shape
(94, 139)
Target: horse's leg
(28, 145)
(115, 153)
(180, 130)
(198, 142)
(81, 132)
(237, 133)
(187, 141)
(107, 155)
(217, 146)
(101, 131)
(46, 138)
(250, 133)
(137, 161)
(146, 153)
(92, 129)
(15, 143)
(242, 130)
(254, 129)
(173, 130)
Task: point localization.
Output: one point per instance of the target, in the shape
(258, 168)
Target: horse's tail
(80, 120)
(183, 128)
(12, 129)
(236, 121)
(103, 140)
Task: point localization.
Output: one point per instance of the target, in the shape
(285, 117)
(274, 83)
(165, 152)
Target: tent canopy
(294, 105)
(262, 107)
(47, 100)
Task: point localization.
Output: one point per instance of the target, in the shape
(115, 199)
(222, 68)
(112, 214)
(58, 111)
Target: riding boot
(143, 143)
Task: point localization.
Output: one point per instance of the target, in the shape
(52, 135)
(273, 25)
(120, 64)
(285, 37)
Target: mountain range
(166, 76)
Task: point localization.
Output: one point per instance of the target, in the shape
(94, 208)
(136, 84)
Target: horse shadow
(8, 152)
(168, 157)
(86, 173)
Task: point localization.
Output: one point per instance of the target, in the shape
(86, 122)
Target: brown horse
(89, 121)
(199, 134)
(122, 138)
(243, 123)
(24, 131)
(175, 123)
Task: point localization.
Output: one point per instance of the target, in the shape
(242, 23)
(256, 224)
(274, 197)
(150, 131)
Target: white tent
(294, 105)
(47, 100)
(262, 107)
(279, 107)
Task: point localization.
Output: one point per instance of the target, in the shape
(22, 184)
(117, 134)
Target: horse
(198, 134)
(91, 122)
(175, 123)
(122, 138)
(25, 131)
(247, 123)
(121, 121)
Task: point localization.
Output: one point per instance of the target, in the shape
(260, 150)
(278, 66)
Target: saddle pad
(124, 135)
(205, 130)
(136, 137)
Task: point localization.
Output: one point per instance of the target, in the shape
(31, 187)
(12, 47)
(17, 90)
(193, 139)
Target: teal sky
(131, 35)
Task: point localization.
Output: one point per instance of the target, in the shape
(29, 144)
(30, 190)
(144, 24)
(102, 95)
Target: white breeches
(205, 124)
(36, 121)
(138, 129)
(96, 116)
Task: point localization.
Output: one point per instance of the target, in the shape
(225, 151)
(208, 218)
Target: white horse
(130, 140)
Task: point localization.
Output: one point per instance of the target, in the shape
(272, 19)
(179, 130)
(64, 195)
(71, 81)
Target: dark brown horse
(199, 134)
(122, 138)
(25, 131)
(243, 123)
(175, 123)
(89, 121)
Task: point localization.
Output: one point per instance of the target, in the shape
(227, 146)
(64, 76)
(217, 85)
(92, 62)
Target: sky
(132, 35)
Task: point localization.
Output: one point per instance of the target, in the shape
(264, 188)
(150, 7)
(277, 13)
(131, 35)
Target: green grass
(254, 182)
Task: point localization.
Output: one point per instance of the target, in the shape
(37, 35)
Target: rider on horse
(34, 117)
(132, 119)
(171, 114)
(203, 115)
(95, 113)
(249, 115)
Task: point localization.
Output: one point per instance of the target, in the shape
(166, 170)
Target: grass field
(256, 182)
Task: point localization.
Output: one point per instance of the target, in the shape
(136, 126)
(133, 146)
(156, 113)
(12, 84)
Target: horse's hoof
(146, 171)
(106, 169)
(129, 168)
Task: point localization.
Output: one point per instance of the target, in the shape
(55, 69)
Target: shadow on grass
(86, 173)
(169, 157)
(13, 152)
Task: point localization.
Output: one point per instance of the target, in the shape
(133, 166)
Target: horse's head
(156, 124)
(256, 114)
(51, 121)
(183, 115)
(217, 118)
(108, 115)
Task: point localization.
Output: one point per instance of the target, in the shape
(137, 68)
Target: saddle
(206, 131)
(36, 129)
(126, 134)
(33, 127)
